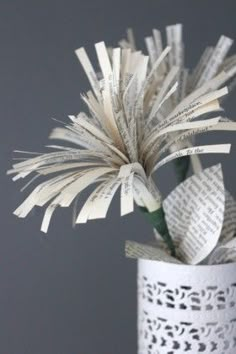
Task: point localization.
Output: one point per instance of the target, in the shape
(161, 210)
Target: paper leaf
(224, 254)
(138, 250)
(195, 213)
(229, 225)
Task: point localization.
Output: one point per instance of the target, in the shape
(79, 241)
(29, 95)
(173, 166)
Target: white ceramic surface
(186, 309)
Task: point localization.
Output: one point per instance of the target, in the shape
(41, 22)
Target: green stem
(182, 165)
(157, 220)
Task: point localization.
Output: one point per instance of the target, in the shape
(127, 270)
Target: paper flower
(123, 141)
(215, 67)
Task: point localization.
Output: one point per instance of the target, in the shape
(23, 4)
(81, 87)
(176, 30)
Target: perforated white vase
(186, 309)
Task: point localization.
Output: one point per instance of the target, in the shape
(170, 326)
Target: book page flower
(115, 146)
(214, 68)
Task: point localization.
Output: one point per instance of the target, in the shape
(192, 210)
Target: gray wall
(73, 291)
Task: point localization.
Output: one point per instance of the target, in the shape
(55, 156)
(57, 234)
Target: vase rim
(184, 265)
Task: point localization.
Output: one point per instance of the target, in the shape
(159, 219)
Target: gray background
(73, 292)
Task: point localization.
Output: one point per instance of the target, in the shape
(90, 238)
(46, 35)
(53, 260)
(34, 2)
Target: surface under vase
(186, 309)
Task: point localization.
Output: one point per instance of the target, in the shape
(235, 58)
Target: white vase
(186, 309)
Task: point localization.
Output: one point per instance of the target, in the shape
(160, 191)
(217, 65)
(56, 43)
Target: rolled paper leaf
(157, 220)
(194, 213)
(181, 166)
